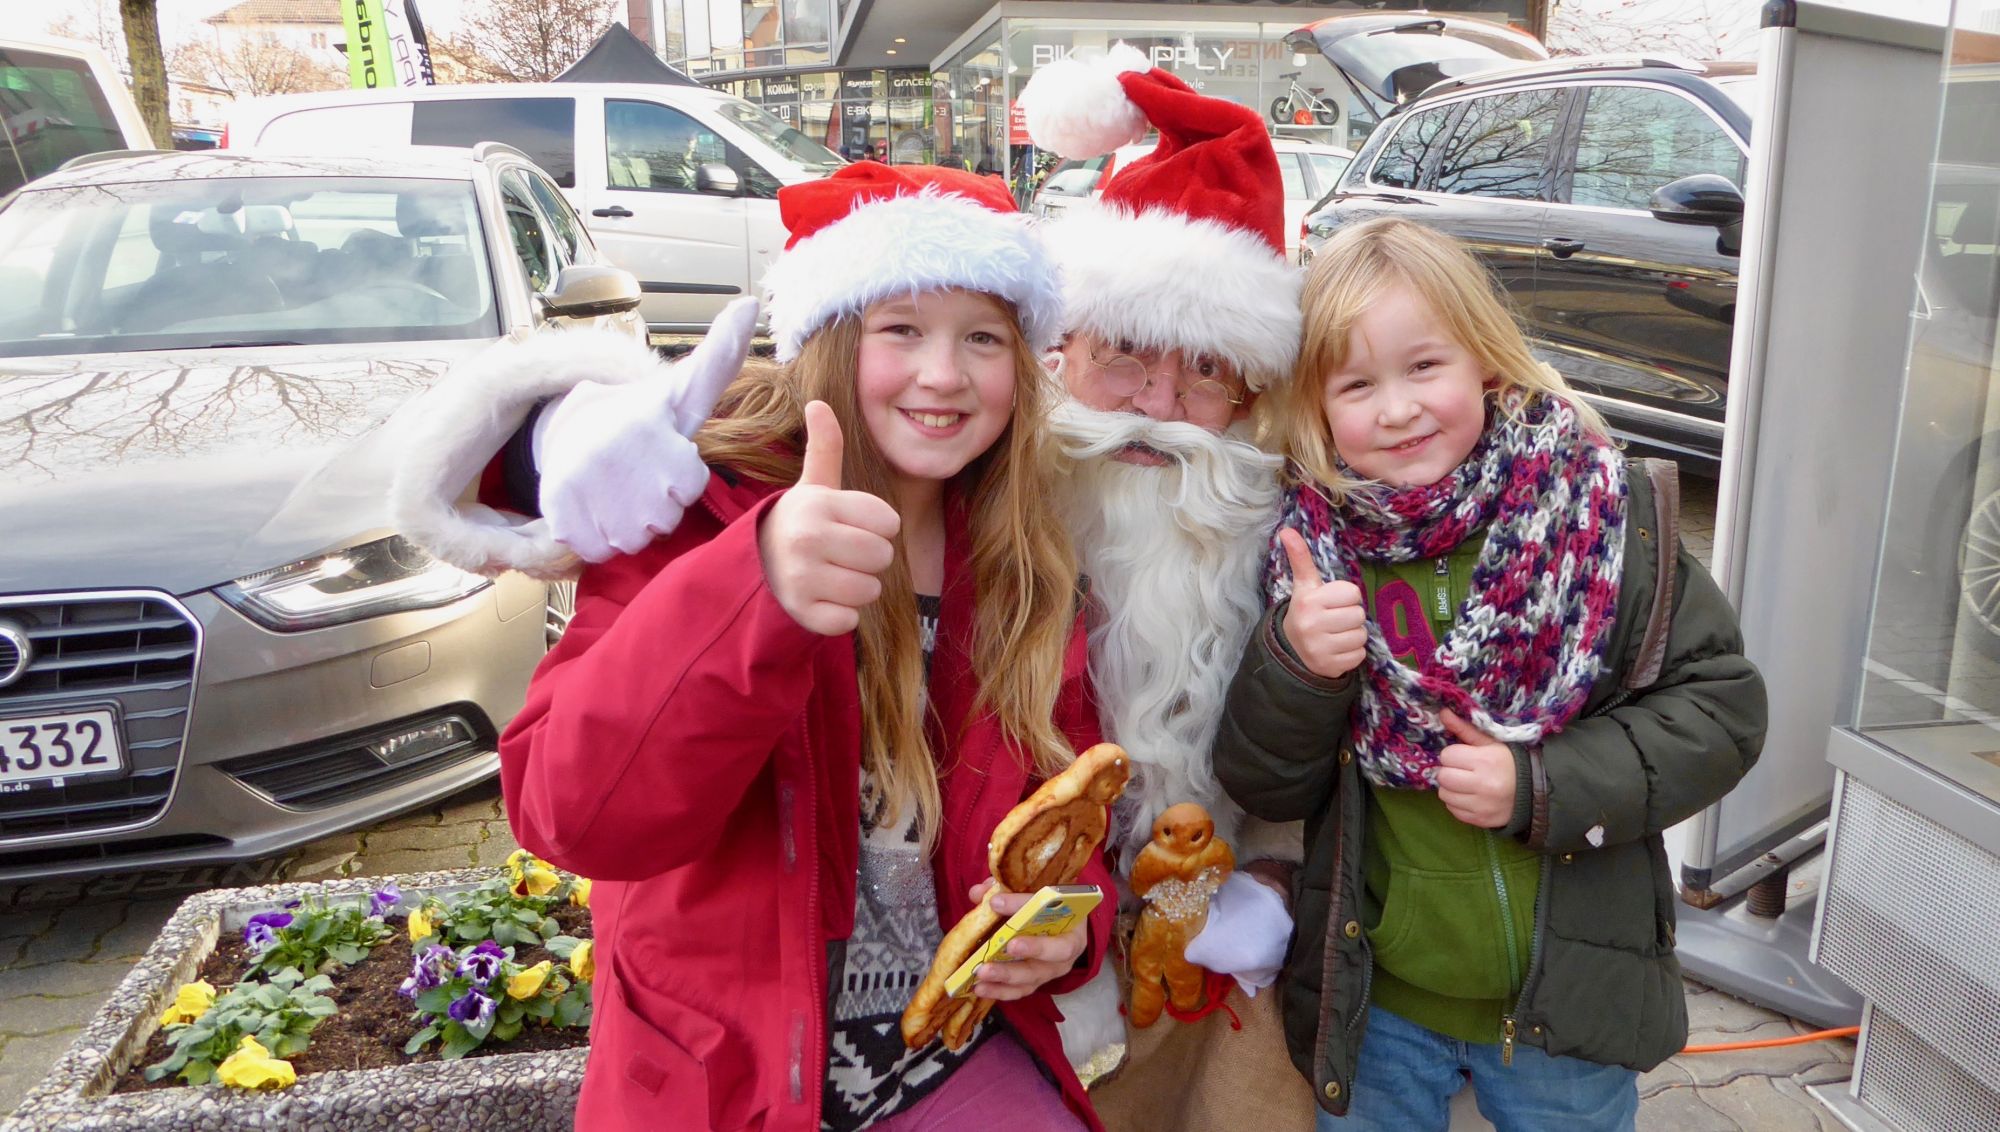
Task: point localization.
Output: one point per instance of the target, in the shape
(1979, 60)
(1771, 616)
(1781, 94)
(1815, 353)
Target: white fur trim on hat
(1168, 281)
(461, 423)
(1078, 108)
(907, 245)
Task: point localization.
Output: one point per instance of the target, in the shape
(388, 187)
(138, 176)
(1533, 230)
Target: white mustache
(1084, 433)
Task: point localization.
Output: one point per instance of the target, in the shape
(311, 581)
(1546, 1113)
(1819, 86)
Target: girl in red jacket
(780, 738)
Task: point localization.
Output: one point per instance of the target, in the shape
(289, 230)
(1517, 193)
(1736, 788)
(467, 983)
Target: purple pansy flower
(384, 898)
(488, 947)
(262, 930)
(481, 967)
(471, 1009)
(428, 968)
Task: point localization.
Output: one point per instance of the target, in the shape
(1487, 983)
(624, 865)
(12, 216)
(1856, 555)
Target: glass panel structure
(1931, 689)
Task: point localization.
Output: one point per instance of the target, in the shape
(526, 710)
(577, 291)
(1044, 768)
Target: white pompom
(1078, 108)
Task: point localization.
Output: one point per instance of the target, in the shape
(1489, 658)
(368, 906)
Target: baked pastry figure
(1044, 840)
(1175, 874)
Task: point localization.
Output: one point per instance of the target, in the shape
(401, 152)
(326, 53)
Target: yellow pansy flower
(536, 881)
(253, 1067)
(528, 983)
(532, 875)
(580, 895)
(191, 1002)
(582, 962)
(420, 925)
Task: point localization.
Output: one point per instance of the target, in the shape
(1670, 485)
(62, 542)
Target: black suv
(1605, 196)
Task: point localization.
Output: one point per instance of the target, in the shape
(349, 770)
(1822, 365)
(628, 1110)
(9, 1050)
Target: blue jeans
(1408, 1075)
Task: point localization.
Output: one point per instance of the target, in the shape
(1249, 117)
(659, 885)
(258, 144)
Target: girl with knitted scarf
(1467, 689)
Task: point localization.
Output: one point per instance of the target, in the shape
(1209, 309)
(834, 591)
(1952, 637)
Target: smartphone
(1052, 911)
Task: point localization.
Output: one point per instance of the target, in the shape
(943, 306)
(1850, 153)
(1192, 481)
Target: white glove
(1246, 935)
(618, 462)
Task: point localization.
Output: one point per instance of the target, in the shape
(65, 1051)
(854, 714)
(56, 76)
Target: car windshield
(52, 111)
(768, 128)
(242, 261)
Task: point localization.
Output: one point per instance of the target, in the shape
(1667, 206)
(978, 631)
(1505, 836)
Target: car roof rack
(1564, 64)
(82, 159)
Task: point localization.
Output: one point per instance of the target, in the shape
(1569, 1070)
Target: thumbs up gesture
(823, 546)
(1325, 623)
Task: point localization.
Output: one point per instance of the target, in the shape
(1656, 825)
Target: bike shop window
(1404, 157)
(653, 148)
(1636, 139)
(542, 128)
(1501, 146)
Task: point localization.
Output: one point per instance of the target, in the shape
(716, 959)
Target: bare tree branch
(524, 40)
(257, 65)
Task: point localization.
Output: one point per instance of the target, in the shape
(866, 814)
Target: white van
(60, 99)
(678, 184)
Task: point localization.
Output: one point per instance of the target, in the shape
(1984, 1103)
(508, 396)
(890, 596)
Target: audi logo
(15, 652)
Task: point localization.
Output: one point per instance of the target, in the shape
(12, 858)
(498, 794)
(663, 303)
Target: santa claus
(1180, 308)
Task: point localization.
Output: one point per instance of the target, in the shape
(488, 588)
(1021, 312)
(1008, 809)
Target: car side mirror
(715, 177)
(1706, 199)
(588, 290)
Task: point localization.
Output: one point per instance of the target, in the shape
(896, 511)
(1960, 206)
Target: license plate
(44, 749)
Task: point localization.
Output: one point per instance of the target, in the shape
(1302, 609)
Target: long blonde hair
(1024, 569)
(1354, 270)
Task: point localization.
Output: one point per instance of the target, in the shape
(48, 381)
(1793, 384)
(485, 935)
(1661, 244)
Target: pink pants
(1001, 1087)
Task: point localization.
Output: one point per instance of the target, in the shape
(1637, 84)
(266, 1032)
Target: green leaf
(421, 1039)
(459, 1045)
(507, 1031)
(561, 946)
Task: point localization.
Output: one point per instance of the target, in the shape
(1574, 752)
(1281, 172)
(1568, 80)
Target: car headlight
(390, 575)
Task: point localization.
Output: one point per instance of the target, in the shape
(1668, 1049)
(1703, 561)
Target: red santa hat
(870, 231)
(1185, 249)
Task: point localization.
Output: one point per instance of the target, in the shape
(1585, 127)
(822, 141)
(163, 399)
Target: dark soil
(373, 1022)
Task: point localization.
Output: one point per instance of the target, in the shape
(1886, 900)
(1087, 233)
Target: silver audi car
(212, 645)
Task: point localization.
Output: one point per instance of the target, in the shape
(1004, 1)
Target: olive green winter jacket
(1669, 727)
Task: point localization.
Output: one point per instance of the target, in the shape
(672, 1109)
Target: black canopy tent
(618, 56)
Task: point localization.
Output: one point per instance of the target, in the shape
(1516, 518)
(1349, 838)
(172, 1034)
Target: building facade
(935, 80)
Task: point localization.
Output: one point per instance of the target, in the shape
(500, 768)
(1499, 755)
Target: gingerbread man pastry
(1046, 839)
(1175, 874)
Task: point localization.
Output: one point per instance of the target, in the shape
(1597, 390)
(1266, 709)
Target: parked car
(1605, 195)
(212, 645)
(1308, 168)
(1387, 58)
(679, 184)
(60, 99)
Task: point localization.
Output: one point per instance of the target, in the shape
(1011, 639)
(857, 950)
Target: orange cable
(1794, 1040)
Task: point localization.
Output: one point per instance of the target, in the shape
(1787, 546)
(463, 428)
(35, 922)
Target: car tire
(561, 607)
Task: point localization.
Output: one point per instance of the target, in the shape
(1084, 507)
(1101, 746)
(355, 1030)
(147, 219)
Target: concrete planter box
(511, 1091)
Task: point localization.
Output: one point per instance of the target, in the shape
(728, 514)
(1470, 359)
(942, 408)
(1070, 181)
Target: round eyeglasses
(1127, 376)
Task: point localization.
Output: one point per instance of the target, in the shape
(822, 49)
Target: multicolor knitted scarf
(1531, 636)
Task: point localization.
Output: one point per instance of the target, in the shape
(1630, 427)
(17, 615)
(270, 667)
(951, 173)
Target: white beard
(1174, 555)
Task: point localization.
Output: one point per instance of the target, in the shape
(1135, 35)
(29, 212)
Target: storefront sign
(1167, 56)
(1017, 125)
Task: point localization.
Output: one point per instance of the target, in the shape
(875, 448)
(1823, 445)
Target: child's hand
(1325, 623)
(1476, 776)
(1040, 957)
(822, 546)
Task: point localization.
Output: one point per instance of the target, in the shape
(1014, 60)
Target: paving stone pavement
(64, 947)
